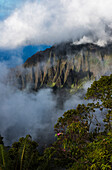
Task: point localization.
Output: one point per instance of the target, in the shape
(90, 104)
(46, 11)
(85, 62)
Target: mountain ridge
(64, 65)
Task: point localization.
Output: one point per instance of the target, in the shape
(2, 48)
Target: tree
(76, 146)
(24, 154)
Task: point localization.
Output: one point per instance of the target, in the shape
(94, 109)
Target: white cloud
(49, 22)
(23, 113)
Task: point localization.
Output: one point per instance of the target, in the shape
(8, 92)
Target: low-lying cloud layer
(23, 113)
(50, 22)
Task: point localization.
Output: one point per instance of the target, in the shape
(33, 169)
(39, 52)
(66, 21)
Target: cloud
(50, 22)
(23, 113)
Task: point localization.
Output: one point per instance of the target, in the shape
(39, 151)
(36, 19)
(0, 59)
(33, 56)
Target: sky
(34, 23)
(27, 26)
(8, 6)
(19, 54)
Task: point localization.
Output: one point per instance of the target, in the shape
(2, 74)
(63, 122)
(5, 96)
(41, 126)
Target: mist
(48, 22)
(22, 112)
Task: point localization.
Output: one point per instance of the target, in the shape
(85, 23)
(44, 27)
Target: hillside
(64, 65)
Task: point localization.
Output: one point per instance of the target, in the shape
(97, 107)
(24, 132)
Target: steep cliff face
(64, 65)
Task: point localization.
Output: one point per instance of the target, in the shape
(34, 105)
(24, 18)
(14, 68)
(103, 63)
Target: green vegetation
(80, 85)
(76, 147)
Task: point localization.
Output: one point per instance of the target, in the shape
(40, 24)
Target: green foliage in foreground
(76, 146)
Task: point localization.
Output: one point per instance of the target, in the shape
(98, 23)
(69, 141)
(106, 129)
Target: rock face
(64, 65)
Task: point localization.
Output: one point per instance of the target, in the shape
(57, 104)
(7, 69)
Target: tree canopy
(77, 145)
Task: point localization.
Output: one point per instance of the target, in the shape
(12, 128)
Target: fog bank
(23, 113)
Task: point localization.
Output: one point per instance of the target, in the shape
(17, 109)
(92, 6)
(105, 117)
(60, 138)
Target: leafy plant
(76, 146)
